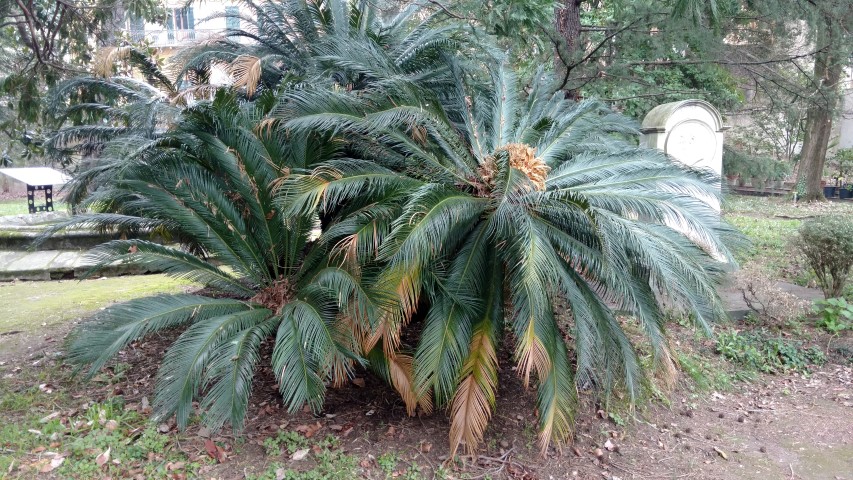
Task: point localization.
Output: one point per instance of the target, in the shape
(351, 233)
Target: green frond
(433, 220)
(112, 329)
(303, 346)
(468, 295)
(182, 372)
(158, 258)
(230, 373)
(338, 182)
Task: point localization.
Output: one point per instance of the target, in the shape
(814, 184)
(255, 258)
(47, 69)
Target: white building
(186, 24)
(845, 120)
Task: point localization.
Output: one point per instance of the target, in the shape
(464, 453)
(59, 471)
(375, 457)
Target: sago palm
(524, 219)
(208, 183)
(333, 41)
(103, 117)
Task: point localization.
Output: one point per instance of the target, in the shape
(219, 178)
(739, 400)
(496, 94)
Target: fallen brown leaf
(51, 465)
(104, 457)
(212, 450)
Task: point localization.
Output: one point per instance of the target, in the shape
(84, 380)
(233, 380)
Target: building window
(180, 24)
(232, 20)
(137, 29)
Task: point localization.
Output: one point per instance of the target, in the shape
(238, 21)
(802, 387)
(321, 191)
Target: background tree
(640, 53)
(46, 41)
(831, 20)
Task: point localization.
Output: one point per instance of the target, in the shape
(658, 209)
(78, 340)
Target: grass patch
(324, 461)
(707, 375)
(19, 207)
(28, 444)
(771, 224)
(56, 302)
(777, 206)
(770, 240)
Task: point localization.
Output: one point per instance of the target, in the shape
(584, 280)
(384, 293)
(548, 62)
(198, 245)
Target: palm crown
(493, 209)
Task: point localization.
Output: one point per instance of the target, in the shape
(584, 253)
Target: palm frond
(556, 401)
(230, 373)
(303, 345)
(119, 325)
(182, 372)
(173, 262)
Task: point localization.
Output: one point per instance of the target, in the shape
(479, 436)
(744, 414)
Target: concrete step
(55, 265)
(737, 308)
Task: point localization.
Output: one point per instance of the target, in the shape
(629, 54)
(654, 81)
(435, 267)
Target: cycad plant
(331, 41)
(488, 213)
(208, 183)
(105, 117)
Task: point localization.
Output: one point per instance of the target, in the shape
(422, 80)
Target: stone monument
(691, 131)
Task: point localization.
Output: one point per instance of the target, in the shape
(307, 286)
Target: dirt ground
(776, 426)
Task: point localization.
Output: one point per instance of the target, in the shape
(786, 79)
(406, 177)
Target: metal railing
(173, 38)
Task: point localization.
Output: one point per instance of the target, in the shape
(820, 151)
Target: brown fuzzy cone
(522, 157)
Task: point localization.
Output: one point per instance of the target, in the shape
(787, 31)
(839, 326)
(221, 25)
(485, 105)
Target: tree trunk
(568, 25)
(827, 72)
(115, 25)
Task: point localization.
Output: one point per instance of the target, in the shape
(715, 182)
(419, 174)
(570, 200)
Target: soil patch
(779, 426)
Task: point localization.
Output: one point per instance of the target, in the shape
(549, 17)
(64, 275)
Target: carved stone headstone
(691, 131)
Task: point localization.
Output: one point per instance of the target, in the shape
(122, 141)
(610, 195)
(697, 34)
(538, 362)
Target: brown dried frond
(474, 399)
(488, 170)
(247, 73)
(204, 90)
(402, 285)
(266, 126)
(418, 134)
(103, 64)
(402, 374)
(388, 330)
(275, 296)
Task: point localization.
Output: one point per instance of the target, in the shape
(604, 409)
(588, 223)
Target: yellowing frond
(405, 285)
(557, 401)
(475, 397)
(246, 70)
(339, 367)
(347, 250)
(555, 425)
(531, 354)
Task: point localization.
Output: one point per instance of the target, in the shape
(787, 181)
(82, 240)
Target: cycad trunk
(827, 72)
